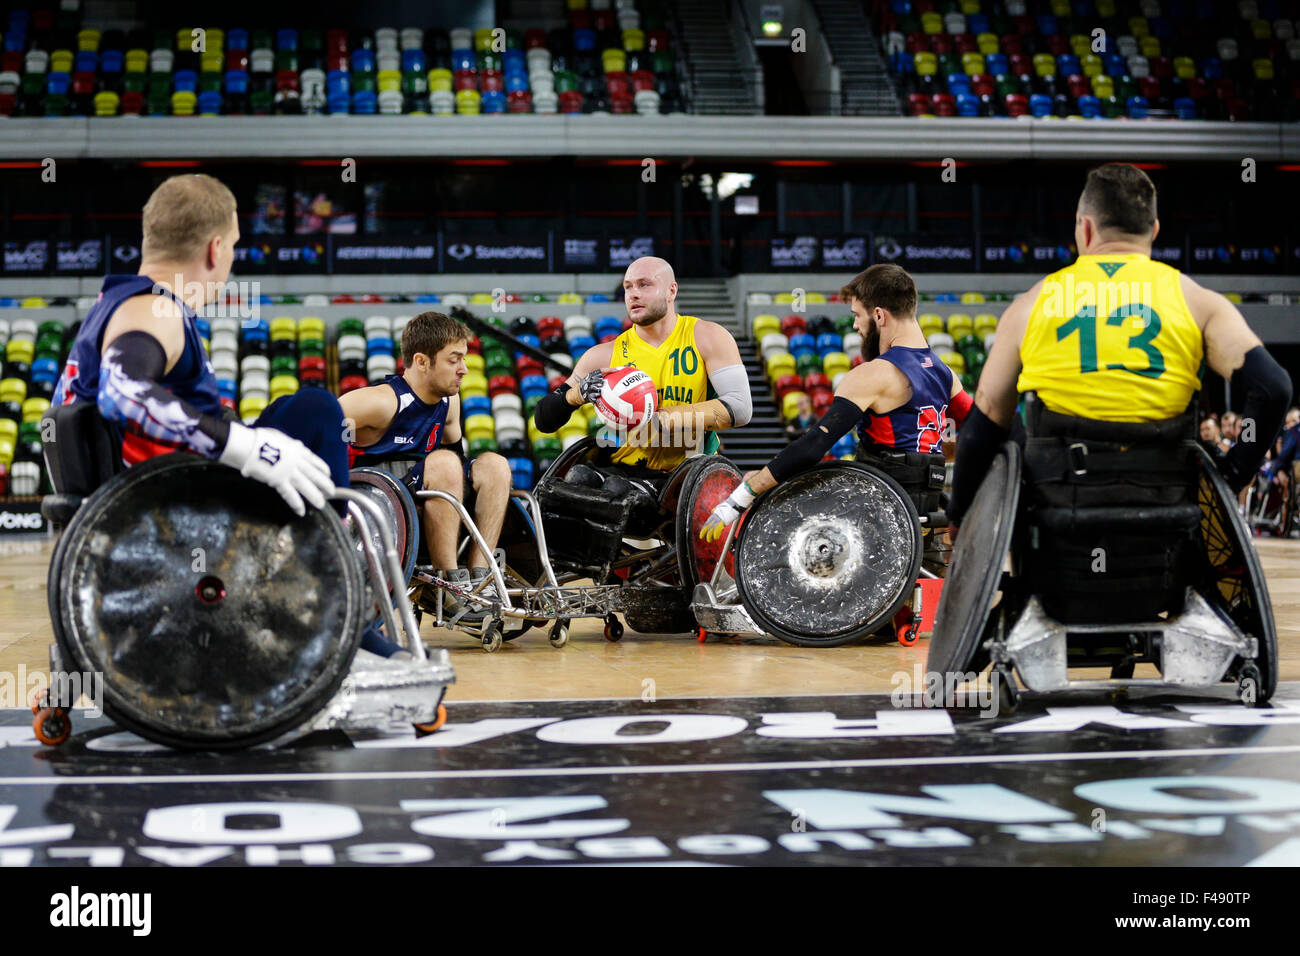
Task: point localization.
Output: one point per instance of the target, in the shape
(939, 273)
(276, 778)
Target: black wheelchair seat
(82, 451)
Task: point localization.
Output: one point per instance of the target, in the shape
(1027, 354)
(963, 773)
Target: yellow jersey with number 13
(1111, 338)
(680, 379)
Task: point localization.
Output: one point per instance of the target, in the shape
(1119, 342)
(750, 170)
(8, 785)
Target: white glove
(276, 459)
(727, 512)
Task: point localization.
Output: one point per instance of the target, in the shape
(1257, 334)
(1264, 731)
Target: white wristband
(742, 496)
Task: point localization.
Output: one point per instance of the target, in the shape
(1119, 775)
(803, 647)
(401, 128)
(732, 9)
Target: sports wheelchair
(831, 555)
(1125, 547)
(522, 591)
(1270, 504)
(647, 551)
(217, 618)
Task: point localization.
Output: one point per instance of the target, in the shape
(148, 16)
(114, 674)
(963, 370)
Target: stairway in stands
(752, 446)
(724, 75)
(865, 87)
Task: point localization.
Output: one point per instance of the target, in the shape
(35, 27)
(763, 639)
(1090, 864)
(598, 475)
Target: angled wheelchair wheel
(398, 506)
(218, 618)
(706, 485)
(579, 451)
(975, 568)
(828, 556)
(1231, 576)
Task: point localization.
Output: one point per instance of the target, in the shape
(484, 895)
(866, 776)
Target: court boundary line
(646, 769)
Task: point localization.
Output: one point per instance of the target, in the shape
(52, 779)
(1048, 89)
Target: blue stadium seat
(1089, 107)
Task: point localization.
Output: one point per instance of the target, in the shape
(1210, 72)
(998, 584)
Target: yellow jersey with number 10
(680, 379)
(1111, 338)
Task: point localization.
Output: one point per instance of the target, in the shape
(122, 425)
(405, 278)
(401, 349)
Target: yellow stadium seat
(1149, 46)
(959, 324)
(987, 43)
(972, 63)
(183, 103)
(790, 405)
(1184, 67)
(970, 298)
(1106, 8)
(34, 302)
(778, 365)
(633, 40)
(835, 362)
(815, 298)
(926, 64)
(1080, 45)
(1092, 65)
(1261, 30)
(440, 80)
(1044, 64)
(1139, 27)
(764, 324)
(1263, 69)
(1103, 86)
(930, 322)
(389, 80)
(953, 360)
(88, 40)
(931, 22)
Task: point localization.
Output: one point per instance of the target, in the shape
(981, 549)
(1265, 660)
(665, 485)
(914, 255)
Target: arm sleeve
(959, 407)
(1267, 388)
(731, 388)
(129, 395)
(977, 443)
(810, 447)
(554, 410)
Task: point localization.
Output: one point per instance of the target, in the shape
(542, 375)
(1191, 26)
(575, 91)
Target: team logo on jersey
(1110, 268)
(432, 443)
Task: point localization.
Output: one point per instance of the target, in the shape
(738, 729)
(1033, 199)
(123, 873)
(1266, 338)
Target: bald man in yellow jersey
(1118, 337)
(697, 370)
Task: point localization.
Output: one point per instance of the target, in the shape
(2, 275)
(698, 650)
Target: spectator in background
(1210, 437)
(1229, 430)
(801, 422)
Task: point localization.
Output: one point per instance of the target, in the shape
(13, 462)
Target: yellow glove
(727, 512)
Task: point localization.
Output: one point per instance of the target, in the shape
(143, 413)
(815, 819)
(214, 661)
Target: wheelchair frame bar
(429, 494)
(358, 505)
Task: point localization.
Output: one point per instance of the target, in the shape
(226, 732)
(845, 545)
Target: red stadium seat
(796, 324)
(817, 380)
(1010, 44)
(550, 325)
(941, 43)
(1238, 110)
(918, 103)
(1017, 104)
(981, 84)
(657, 41)
(502, 385)
(786, 384)
(822, 400)
(965, 43)
(535, 39)
(336, 41)
(945, 104)
(1162, 66)
(1058, 44)
(918, 43)
(580, 19)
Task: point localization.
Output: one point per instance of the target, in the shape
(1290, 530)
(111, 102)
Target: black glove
(590, 386)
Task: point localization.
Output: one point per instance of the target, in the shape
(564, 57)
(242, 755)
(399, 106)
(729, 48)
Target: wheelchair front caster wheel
(560, 634)
(52, 726)
(1008, 693)
(702, 635)
(908, 635)
(440, 718)
(613, 629)
(1249, 681)
(491, 635)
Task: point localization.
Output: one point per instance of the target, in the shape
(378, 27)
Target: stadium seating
(1183, 59)
(605, 61)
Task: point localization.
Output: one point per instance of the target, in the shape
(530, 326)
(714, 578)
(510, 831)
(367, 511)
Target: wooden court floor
(639, 666)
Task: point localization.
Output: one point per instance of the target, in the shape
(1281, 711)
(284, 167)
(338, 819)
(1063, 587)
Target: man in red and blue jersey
(415, 417)
(139, 358)
(898, 399)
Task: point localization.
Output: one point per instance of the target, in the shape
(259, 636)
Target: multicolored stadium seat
(606, 60)
(1088, 59)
